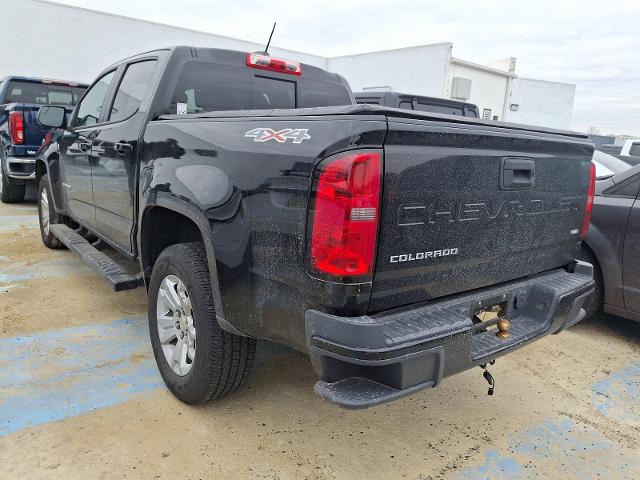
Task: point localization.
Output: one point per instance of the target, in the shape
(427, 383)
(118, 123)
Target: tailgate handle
(517, 173)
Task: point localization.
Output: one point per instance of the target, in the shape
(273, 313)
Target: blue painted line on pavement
(617, 397)
(53, 268)
(48, 376)
(556, 449)
(14, 222)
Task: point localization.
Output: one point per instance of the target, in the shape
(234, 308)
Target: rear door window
(132, 89)
(635, 150)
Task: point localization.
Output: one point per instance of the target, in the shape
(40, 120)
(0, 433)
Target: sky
(594, 44)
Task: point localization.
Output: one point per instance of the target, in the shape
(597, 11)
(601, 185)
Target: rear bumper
(368, 360)
(20, 168)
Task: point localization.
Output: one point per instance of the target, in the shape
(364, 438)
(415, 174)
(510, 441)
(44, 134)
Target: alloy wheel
(176, 329)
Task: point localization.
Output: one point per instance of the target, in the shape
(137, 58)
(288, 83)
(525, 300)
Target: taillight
(16, 128)
(265, 62)
(345, 214)
(590, 198)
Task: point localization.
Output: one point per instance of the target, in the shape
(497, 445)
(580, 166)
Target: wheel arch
(49, 164)
(605, 254)
(192, 225)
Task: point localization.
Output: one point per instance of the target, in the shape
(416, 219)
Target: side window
(91, 105)
(634, 151)
(131, 91)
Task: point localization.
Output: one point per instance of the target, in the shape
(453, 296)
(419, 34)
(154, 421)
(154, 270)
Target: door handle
(122, 148)
(517, 173)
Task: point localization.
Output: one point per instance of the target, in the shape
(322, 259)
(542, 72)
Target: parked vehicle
(610, 149)
(20, 133)
(631, 148)
(418, 102)
(259, 203)
(614, 236)
(630, 152)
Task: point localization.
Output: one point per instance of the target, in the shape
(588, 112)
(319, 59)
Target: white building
(90, 40)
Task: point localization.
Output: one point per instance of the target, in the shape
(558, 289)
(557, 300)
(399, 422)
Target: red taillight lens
(16, 128)
(590, 197)
(265, 62)
(345, 217)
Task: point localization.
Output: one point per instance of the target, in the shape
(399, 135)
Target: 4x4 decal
(262, 134)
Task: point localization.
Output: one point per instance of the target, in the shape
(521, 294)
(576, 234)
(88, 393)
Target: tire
(10, 193)
(46, 210)
(221, 360)
(593, 304)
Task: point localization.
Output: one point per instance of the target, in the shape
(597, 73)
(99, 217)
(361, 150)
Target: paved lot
(80, 398)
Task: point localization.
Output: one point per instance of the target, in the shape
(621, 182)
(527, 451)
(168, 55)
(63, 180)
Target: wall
(76, 44)
(71, 43)
(488, 86)
(419, 70)
(549, 104)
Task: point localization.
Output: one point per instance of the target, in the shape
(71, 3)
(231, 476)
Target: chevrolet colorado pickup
(255, 200)
(20, 134)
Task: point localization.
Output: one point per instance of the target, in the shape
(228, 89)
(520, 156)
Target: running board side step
(100, 263)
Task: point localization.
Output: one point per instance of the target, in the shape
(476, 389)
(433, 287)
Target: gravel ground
(80, 398)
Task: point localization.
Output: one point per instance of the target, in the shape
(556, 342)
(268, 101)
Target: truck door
(76, 151)
(115, 149)
(631, 260)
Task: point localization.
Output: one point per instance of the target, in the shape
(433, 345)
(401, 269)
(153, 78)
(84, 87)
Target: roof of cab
(20, 78)
(223, 55)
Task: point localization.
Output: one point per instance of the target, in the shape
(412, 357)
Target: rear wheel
(198, 360)
(594, 303)
(10, 193)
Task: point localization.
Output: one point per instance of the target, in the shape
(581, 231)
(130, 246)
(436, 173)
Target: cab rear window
(42, 94)
(206, 86)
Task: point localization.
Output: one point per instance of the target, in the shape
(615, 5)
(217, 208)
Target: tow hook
(488, 377)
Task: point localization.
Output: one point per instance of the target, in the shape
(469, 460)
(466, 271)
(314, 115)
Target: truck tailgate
(467, 206)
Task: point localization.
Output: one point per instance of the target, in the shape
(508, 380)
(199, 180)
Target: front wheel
(47, 215)
(198, 360)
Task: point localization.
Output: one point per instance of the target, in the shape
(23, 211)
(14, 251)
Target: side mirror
(50, 116)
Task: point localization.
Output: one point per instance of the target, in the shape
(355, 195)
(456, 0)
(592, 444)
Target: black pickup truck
(257, 201)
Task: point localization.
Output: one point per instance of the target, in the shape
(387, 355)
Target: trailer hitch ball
(504, 326)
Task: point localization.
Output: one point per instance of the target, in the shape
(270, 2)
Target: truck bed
(366, 109)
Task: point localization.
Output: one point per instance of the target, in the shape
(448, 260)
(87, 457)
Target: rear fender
(185, 208)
